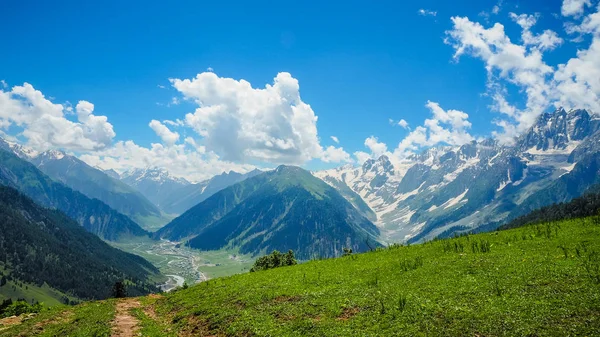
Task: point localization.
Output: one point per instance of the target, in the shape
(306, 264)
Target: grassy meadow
(538, 280)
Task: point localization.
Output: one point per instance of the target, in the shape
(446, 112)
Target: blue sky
(358, 65)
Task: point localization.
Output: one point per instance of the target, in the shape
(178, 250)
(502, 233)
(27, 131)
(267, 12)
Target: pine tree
(119, 290)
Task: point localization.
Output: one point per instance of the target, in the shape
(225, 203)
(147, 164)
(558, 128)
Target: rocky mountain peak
(555, 130)
(379, 166)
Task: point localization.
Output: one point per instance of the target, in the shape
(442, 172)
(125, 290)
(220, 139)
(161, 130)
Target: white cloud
(4, 84)
(402, 123)
(575, 83)
(168, 137)
(335, 139)
(199, 148)
(548, 40)
(177, 122)
(335, 155)
(160, 86)
(445, 127)
(574, 7)
(241, 123)
(179, 161)
(210, 69)
(498, 7)
(361, 156)
(426, 12)
(377, 148)
(519, 65)
(44, 124)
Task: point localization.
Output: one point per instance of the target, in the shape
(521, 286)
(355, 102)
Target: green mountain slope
(41, 246)
(92, 214)
(95, 184)
(287, 208)
(186, 197)
(529, 281)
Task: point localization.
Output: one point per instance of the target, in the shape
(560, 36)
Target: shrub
(274, 260)
(10, 308)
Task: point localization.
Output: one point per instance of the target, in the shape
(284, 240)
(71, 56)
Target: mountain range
(479, 185)
(439, 192)
(93, 214)
(286, 208)
(95, 184)
(156, 184)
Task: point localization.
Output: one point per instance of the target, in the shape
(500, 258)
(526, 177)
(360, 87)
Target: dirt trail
(5, 323)
(125, 325)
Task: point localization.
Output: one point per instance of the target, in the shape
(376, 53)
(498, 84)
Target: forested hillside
(94, 183)
(287, 208)
(92, 214)
(41, 246)
(586, 205)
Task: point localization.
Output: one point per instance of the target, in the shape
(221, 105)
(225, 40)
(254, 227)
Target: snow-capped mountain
(154, 183)
(21, 151)
(446, 190)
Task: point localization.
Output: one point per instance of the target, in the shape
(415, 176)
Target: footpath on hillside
(125, 325)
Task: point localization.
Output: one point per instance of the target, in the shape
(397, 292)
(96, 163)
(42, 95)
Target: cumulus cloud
(548, 40)
(519, 65)
(361, 156)
(575, 83)
(574, 7)
(335, 139)
(426, 12)
(377, 148)
(168, 137)
(241, 123)
(444, 127)
(44, 124)
(177, 159)
(334, 154)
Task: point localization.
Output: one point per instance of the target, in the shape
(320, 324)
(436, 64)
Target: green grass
(518, 283)
(150, 327)
(539, 280)
(31, 292)
(86, 320)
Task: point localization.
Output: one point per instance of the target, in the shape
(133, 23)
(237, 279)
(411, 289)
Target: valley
(181, 264)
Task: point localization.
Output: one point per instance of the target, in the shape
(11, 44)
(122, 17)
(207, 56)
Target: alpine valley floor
(537, 280)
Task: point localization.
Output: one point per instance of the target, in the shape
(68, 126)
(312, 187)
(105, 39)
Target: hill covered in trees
(43, 247)
(586, 205)
(92, 214)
